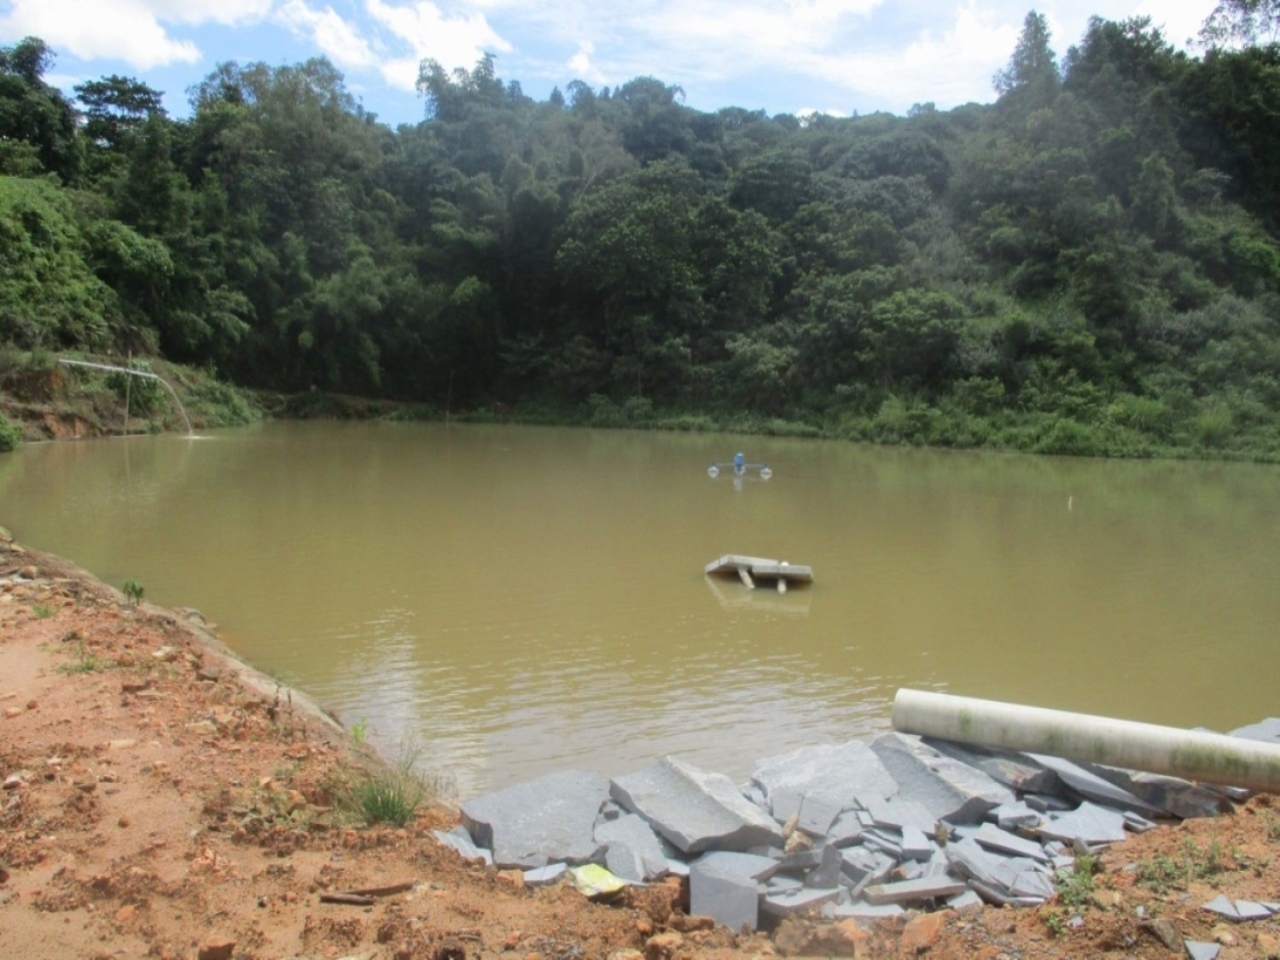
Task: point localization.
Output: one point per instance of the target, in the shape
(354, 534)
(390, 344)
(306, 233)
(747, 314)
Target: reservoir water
(514, 600)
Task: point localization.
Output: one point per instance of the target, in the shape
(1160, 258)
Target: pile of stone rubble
(861, 830)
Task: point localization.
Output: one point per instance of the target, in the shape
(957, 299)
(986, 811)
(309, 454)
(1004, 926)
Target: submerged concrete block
(843, 773)
(724, 886)
(694, 809)
(550, 819)
(948, 789)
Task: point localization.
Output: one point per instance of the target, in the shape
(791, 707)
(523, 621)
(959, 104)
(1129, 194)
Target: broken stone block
(914, 891)
(898, 813)
(795, 901)
(993, 838)
(847, 772)
(459, 839)
(545, 876)
(965, 903)
(1198, 950)
(915, 845)
(1015, 770)
(1251, 910)
(818, 813)
(694, 809)
(1268, 731)
(861, 910)
(550, 819)
(970, 860)
(1093, 787)
(784, 805)
(632, 851)
(948, 789)
(826, 875)
(1012, 816)
(1171, 794)
(1223, 906)
(1088, 823)
(724, 885)
(882, 841)
(846, 830)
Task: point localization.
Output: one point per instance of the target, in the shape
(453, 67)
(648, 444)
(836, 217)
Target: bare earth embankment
(161, 799)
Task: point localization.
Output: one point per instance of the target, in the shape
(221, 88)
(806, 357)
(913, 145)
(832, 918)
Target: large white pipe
(1209, 757)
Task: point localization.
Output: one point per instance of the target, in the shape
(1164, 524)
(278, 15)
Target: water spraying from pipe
(137, 373)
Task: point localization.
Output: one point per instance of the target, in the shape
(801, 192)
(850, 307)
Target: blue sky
(785, 56)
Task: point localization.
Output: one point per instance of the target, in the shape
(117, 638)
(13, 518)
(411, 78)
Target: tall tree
(1246, 22)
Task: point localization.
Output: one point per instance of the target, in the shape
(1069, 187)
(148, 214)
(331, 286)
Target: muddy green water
(514, 600)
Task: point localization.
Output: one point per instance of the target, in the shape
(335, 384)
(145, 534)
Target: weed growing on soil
(132, 591)
(388, 795)
(1164, 872)
(1075, 886)
(86, 661)
(360, 731)
(42, 611)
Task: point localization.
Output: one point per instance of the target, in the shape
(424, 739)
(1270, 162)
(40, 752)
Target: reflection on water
(515, 600)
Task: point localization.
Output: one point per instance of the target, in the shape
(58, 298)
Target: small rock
(32, 705)
(511, 878)
(922, 932)
(11, 712)
(1225, 936)
(663, 947)
(217, 948)
(125, 913)
(1165, 933)
(165, 654)
(1268, 945)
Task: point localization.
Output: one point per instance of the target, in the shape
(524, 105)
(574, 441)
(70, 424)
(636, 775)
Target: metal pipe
(1190, 754)
(137, 373)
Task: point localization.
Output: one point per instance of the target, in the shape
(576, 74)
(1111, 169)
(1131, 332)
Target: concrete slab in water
(694, 809)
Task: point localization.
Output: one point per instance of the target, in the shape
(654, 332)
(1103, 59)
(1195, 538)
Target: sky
(840, 57)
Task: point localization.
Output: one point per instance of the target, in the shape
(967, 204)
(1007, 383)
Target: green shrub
(10, 434)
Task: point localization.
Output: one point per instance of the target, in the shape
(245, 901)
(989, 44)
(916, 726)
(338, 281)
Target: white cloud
(123, 29)
(455, 41)
(335, 37)
(580, 64)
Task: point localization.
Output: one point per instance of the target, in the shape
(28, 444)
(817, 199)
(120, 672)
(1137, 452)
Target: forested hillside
(1089, 265)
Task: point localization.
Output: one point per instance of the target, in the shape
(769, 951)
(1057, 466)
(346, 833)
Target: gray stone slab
(915, 845)
(1268, 731)
(1093, 787)
(879, 840)
(898, 813)
(861, 910)
(968, 859)
(993, 838)
(913, 891)
(694, 809)
(802, 861)
(545, 876)
(1223, 906)
(1012, 816)
(1015, 770)
(826, 875)
(999, 898)
(1199, 950)
(1031, 883)
(846, 830)
(1138, 823)
(723, 886)
(677, 868)
(781, 884)
(632, 850)
(460, 839)
(818, 813)
(1047, 803)
(784, 804)
(785, 904)
(1089, 823)
(846, 772)
(858, 863)
(1181, 798)
(948, 789)
(1252, 910)
(547, 820)
(965, 903)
